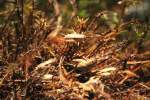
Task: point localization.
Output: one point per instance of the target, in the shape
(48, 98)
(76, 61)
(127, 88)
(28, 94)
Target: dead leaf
(45, 63)
(47, 77)
(74, 35)
(85, 62)
(107, 71)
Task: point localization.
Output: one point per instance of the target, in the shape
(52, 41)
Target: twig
(138, 62)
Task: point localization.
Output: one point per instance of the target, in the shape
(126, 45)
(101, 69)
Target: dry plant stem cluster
(79, 65)
(76, 62)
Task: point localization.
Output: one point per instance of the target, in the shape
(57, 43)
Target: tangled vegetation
(74, 50)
